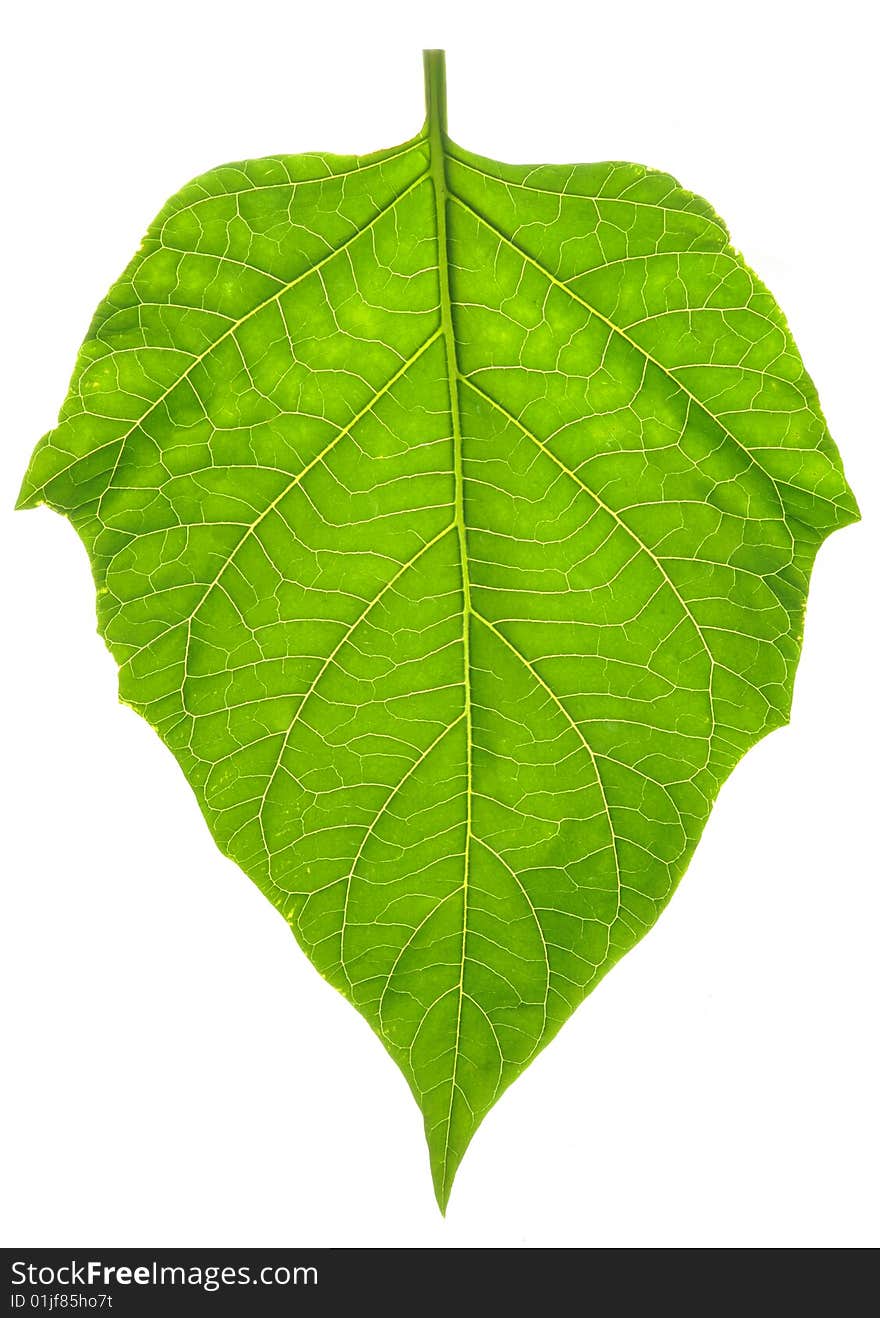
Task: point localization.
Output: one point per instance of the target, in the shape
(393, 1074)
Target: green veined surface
(452, 524)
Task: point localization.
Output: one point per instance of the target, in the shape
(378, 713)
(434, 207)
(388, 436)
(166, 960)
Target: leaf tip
(441, 1194)
(443, 1172)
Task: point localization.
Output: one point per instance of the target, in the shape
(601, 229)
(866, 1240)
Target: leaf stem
(435, 90)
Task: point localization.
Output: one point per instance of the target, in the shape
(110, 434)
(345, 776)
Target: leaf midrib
(436, 129)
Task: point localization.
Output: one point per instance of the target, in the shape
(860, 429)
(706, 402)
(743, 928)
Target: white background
(177, 1073)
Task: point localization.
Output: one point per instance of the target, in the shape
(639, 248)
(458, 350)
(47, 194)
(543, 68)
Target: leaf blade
(452, 524)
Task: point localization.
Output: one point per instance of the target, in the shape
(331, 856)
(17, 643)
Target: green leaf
(452, 524)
